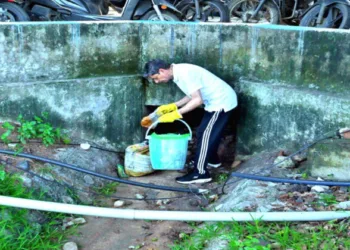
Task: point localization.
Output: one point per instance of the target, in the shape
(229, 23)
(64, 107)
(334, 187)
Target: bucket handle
(156, 123)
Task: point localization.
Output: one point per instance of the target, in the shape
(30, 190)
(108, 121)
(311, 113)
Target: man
(200, 87)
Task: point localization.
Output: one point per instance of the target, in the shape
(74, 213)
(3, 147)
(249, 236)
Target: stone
(319, 189)
(67, 200)
(159, 202)
(78, 221)
(330, 159)
(166, 201)
(24, 165)
(343, 205)
(70, 246)
(119, 203)
(26, 180)
(284, 162)
(139, 196)
(217, 244)
(88, 180)
(12, 145)
(85, 146)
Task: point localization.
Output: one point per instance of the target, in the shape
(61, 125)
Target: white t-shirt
(216, 94)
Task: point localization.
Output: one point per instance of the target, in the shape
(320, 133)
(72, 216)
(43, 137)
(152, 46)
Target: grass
(268, 235)
(16, 231)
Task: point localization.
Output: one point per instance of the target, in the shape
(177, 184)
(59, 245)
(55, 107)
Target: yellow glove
(170, 117)
(164, 109)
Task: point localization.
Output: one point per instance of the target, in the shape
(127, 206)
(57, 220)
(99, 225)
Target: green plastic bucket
(168, 151)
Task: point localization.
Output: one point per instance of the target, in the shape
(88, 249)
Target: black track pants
(209, 134)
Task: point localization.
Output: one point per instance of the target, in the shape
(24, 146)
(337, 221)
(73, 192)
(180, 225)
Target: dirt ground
(107, 233)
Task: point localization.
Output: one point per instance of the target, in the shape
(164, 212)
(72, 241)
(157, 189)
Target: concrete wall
(297, 88)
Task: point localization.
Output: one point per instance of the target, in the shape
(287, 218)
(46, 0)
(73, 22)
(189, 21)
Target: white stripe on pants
(205, 142)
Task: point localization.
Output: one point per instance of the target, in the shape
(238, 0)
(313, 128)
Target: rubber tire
(165, 13)
(105, 7)
(224, 13)
(313, 12)
(271, 7)
(19, 14)
(182, 5)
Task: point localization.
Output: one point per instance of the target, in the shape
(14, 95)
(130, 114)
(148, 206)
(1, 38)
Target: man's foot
(194, 178)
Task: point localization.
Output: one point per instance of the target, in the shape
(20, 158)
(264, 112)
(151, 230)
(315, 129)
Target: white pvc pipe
(171, 215)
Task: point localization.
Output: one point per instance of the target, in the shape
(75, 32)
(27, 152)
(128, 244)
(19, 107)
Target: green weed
(16, 232)
(222, 178)
(328, 199)
(37, 128)
(267, 235)
(107, 189)
(9, 129)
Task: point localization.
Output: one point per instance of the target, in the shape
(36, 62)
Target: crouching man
(200, 87)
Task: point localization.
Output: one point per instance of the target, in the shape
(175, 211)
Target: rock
(299, 200)
(343, 205)
(67, 200)
(12, 145)
(88, 180)
(299, 158)
(85, 146)
(319, 189)
(217, 244)
(119, 203)
(310, 209)
(79, 221)
(139, 196)
(284, 162)
(24, 165)
(159, 202)
(330, 159)
(26, 180)
(70, 246)
(166, 201)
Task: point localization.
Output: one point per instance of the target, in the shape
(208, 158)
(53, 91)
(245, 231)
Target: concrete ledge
(276, 116)
(104, 110)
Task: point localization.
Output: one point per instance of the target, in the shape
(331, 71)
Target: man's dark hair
(152, 67)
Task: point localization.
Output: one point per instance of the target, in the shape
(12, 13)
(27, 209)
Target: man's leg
(208, 135)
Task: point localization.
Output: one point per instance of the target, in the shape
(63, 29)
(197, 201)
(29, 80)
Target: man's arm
(182, 102)
(191, 103)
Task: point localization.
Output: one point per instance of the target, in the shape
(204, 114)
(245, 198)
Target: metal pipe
(132, 214)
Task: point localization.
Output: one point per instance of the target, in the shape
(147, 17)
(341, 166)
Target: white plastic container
(137, 161)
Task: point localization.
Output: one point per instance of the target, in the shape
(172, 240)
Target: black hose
(111, 178)
(293, 181)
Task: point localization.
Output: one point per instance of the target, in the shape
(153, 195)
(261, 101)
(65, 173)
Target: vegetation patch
(268, 235)
(37, 128)
(17, 230)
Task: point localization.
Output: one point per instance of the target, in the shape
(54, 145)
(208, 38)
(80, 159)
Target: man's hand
(170, 117)
(164, 109)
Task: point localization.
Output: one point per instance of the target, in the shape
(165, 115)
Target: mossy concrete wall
(86, 74)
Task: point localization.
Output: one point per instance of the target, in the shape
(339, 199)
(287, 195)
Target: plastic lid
(170, 136)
